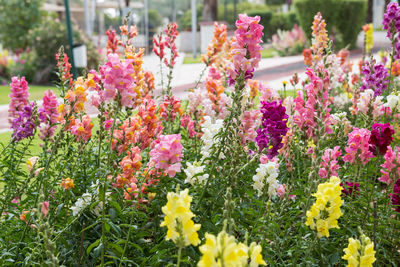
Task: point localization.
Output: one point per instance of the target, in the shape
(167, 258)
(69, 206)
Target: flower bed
(237, 175)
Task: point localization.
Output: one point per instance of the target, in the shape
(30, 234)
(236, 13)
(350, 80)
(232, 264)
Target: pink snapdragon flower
(166, 153)
(246, 48)
(391, 166)
(250, 123)
(82, 129)
(45, 208)
(358, 146)
(117, 76)
(171, 33)
(18, 97)
(315, 105)
(329, 162)
(48, 114)
(188, 123)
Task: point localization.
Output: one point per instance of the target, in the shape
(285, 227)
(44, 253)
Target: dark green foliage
(17, 17)
(46, 41)
(343, 17)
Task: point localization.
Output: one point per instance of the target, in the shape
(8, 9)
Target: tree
(210, 10)
(370, 11)
(17, 19)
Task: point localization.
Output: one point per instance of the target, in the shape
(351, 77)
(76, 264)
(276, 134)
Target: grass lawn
(35, 92)
(265, 53)
(190, 60)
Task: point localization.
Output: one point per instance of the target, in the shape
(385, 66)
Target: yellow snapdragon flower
(178, 219)
(360, 254)
(325, 212)
(222, 250)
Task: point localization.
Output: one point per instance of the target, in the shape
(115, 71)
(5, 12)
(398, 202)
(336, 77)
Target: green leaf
(89, 249)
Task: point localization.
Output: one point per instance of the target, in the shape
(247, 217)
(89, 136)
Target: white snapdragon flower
(81, 203)
(209, 131)
(393, 102)
(192, 173)
(266, 175)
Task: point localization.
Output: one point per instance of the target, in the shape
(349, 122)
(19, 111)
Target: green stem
(103, 193)
(179, 256)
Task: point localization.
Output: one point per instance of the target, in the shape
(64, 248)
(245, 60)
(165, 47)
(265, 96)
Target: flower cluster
(82, 129)
(25, 123)
(67, 183)
(48, 114)
(391, 166)
(266, 175)
(393, 102)
(171, 33)
(116, 76)
(209, 129)
(329, 163)
(246, 49)
(18, 97)
(170, 108)
(375, 77)
(360, 253)
(129, 164)
(195, 173)
(64, 68)
(320, 37)
(274, 127)
(391, 23)
(250, 122)
(178, 219)
(396, 195)
(325, 212)
(358, 146)
(216, 45)
(289, 42)
(350, 188)
(223, 250)
(381, 137)
(166, 153)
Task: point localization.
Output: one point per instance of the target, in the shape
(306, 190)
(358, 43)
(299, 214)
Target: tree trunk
(370, 11)
(210, 10)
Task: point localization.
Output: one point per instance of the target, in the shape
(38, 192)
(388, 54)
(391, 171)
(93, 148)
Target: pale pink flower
(82, 129)
(166, 153)
(329, 163)
(44, 208)
(117, 76)
(18, 97)
(391, 166)
(358, 146)
(281, 190)
(188, 123)
(48, 114)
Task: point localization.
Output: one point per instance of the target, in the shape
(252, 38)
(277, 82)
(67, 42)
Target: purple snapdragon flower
(24, 124)
(274, 127)
(375, 77)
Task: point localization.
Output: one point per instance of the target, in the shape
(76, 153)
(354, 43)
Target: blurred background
(31, 31)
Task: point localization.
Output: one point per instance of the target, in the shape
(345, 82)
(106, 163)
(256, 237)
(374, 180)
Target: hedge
(343, 17)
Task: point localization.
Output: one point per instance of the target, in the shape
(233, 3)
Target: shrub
(46, 40)
(349, 22)
(289, 42)
(18, 17)
(342, 16)
(281, 21)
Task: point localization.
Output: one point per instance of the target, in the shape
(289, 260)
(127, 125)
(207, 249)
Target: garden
(239, 174)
